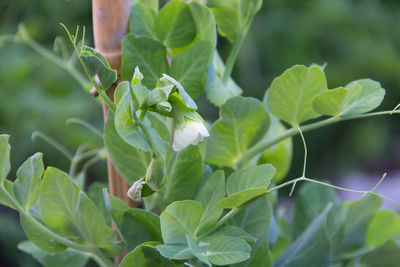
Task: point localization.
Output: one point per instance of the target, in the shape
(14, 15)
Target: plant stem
(87, 125)
(100, 91)
(233, 55)
(101, 260)
(54, 143)
(59, 62)
(331, 186)
(264, 144)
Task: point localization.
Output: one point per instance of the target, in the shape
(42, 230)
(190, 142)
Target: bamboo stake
(110, 25)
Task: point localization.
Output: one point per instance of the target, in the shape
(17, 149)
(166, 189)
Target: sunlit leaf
(175, 25)
(243, 122)
(150, 55)
(26, 187)
(291, 94)
(224, 250)
(179, 219)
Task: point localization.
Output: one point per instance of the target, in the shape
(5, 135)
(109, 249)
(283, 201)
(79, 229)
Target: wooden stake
(110, 25)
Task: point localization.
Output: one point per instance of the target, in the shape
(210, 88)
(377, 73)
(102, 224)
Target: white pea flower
(192, 133)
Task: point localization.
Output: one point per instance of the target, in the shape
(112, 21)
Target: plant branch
(230, 62)
(332, 186)
(85, 124)
(264, 144)
(52, 142)
(100, 91)
(56, 60)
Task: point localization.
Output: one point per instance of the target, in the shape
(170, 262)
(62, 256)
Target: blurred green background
(357, 38)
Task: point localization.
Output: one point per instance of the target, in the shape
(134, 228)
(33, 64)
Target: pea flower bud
(135, 192)
(155, 175)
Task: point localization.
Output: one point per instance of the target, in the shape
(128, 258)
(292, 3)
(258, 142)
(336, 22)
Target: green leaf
(384, 226)
(153, 4)
(149, 55)
(369, 98)
(95, 193)
(360, 214)
(65, 207)
(146, 255)
(232, 231)
(198, 251)
(67, 258)
(175, 251)
(243, 122)
(291, 94)
(224, 250)
(387, 255)
(175, 25)
(251, 177)
(240, 198)
(249, 8)
(4, 198)
(121, 89)
(142, 21)
(311, 249)
(134, 134)
(127, 127)
(256, 219)
(311, 200)
(205, 23)
(179, 219)
(38, 236)
(139, 226)
(357, 98)
(130, 162)
(330, 102)
(185, 173)
(182, 92)
(98, 65)
(209, 195)
(189, 67)
(4, 157)
(26, 186)
(115, 206)
(218, 92)
(162, 125)
(233, 17)
(246, 184)
(279, 155)
(227, 17)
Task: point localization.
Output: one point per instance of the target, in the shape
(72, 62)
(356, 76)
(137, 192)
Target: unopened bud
(137, 76)
(164, 107)
(135, 192)
(156, 172)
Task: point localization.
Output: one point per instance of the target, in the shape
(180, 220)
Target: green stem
(54, 143)
(59, 62)
(230, 62)
(100, 91)
(101, 260)
(87, 125)
(222, 221)
(331, 186)
(264, 144)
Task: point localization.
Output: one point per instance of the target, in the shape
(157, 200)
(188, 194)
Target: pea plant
(207, 191)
